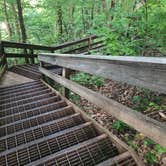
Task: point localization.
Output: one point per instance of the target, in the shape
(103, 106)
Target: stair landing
(11, 78)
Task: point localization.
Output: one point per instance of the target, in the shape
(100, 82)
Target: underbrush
(141, 100)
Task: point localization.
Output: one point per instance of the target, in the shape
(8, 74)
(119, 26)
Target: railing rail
(28, 49)
(134, 70)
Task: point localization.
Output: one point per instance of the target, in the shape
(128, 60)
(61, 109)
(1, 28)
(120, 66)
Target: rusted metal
(38, 127)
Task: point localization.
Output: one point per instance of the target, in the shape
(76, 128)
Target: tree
(9, 29)
(21, 21)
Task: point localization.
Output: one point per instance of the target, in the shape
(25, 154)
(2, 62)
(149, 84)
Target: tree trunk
(22, 26)
(17, 27)
(9, 29)
(21, 21)
(60, 23)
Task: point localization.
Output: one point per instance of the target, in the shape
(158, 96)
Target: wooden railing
(141, 71)
(28, 50)
(3, 62)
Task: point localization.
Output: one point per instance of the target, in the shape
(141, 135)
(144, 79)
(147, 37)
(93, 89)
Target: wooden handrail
(147, 72)
(149, 127)
(28, 49)
(106, 66)
(7, 44)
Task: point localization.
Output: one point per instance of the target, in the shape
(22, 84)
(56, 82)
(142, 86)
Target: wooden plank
(147, 72)
(78, 41)
(2, 71)
(83, 48)
(65, 74)
(149, 127)
(15, 55)
(2, 60)
(113, 161)
(7, 44)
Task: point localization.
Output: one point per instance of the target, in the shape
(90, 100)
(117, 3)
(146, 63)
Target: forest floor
(140, 100)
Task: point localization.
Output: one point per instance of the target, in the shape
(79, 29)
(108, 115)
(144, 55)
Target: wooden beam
(65, 74)
(7, 44)
(147, 72)
(2, 71)
(15, 55)
(114, 160)
(148, 126)
(83, 48)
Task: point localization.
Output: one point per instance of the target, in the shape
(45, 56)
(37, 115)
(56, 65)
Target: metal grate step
(14, 99)
(88, 153)
(29, 106)
(25, 92)
(39, 128)
(35, 121)
(37, 132)
(19, 90)
(32, 112)
(49, 145)
(25, 101)
(26, 72)
(4, 89)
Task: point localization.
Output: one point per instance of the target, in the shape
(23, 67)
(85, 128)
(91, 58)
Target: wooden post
(2, 52)
(89, 44)
(65, 74)
(32, 60)
(26, 59)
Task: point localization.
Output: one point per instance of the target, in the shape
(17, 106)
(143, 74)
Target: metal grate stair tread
(38, 127)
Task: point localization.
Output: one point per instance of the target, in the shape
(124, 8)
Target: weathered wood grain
(149, 127)
(147, 72)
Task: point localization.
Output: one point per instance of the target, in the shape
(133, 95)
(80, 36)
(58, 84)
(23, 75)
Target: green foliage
(120, 126)
(88, 80)
(148, 142)
(150, 157)
(156, 150)
(139, 103)
(147, 99)
(159, 149)
(129, 27)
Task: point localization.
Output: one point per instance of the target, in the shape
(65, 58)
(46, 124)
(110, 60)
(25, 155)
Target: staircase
(31, 70)
(38, 127)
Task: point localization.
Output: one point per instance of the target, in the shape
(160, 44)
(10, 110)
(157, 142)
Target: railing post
(2, 52)
(32, 60)
(26, 58)
(66, 74)
(89, 43)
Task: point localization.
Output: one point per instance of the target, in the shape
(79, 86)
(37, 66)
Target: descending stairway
(37, 127)
(32, 71)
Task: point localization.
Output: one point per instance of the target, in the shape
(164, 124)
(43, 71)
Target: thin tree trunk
(17, 27)
(22, 26)
(21, 21)
(83, 19)
(60, 23)
(92, 10)
(9, 29)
